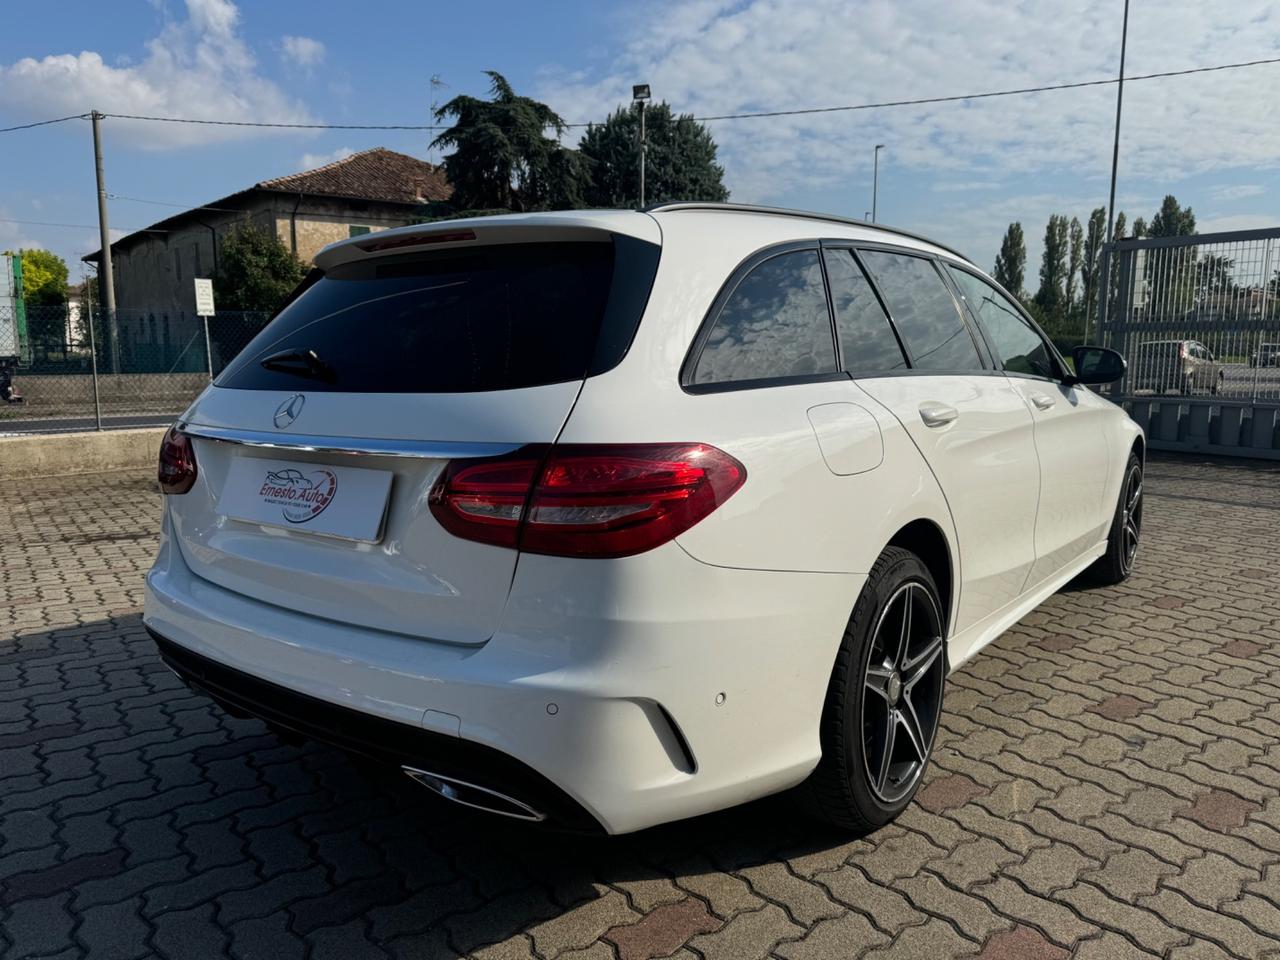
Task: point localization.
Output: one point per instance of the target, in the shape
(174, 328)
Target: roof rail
(805, 214)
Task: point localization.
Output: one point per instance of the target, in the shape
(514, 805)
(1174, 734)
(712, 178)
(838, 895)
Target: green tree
(1076, 234)
(1011, 262)
(44, 285)
(1091, 263)
(1113, 282)
(1171, 220)
(255, 270)
(44, 277)
(1171, 273)
(1051, 297)
(680, 163)
(1139, 228)
(502, 158)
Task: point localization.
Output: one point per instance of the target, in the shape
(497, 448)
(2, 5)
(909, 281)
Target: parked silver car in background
(1181, 365)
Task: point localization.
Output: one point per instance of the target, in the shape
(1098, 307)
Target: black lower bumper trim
(377, 738)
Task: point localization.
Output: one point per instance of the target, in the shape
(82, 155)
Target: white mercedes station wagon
(610, 518)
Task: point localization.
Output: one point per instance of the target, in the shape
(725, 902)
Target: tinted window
(488, 318)
(774, 324)
(1019, 347)
(923, 311)
(866, 339)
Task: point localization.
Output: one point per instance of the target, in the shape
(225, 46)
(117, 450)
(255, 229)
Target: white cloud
(1242, 221)
(310, 161)
(199, 67)
(963, 186)
(1236, 191)
(304, 52)
(13, 235)
(720, 57)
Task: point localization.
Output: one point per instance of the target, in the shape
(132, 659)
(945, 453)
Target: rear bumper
(396, 744)
(628, 692)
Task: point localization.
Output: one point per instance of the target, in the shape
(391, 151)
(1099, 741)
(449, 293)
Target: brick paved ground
(1107, 785)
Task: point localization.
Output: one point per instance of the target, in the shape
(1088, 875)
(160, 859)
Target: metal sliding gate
(1198, 319)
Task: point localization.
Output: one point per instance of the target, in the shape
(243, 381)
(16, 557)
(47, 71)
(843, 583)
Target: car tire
(884, 701)
(1188, 385)
(1116, 564)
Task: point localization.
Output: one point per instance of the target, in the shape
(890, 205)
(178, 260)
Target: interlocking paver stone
(1107, 780)
(1021, 943)
(662, 932)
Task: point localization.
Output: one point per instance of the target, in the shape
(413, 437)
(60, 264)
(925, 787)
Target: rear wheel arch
(926, 540)
(1140, 448)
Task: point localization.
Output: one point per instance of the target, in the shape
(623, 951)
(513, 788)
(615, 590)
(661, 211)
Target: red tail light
(177, 462)
(579, 500)
(1182, 351)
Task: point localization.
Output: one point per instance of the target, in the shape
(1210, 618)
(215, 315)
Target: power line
(363, 218)
(982, 96)
(77, 226)
(43, 123)
(919, 101)
(170, 203)
(286, 126)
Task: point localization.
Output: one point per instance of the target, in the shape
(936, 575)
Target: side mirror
(1097, 365)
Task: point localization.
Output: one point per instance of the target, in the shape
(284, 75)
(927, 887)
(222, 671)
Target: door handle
(935, 414)
(1042, 402)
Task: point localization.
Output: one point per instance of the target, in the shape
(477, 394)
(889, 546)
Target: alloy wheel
(902, 702)
(1131, 518)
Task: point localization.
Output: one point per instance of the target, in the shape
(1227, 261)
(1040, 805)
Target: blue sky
(959, 172)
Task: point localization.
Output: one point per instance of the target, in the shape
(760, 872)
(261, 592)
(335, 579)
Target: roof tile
(377, 174)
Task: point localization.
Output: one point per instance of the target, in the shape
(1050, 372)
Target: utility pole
(875, 179)
(105, 274)
(436, 84)
(639, 94)
(644, 150)
(1105, 261)
(1115, 149)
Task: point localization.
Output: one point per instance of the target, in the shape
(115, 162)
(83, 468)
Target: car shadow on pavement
(123, 787)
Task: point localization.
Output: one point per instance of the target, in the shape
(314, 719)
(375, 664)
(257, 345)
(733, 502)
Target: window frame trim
(996, 359)
(986, 355)
(985, 358)
(852, 246)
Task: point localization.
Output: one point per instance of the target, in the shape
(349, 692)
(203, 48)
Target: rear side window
(923, 311)
(774, 324)
(867, 342)
(1018, 345)
(486, 318)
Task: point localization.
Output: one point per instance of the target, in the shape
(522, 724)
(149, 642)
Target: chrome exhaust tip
(470, 795)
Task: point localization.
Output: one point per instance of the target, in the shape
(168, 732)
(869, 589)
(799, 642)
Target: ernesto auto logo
(301, 497)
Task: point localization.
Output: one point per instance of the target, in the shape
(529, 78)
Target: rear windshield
(487, 318)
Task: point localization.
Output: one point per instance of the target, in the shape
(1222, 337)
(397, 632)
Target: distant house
(365, 192)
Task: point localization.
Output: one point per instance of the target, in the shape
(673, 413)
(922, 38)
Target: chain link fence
(76, 371)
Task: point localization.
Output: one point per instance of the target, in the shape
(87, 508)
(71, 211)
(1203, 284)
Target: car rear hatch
(318, 447)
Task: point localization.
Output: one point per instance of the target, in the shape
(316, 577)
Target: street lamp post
(639, 94)
(875, 178)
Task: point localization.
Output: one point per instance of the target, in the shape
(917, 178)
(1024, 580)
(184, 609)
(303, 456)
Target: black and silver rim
(1131, 518)
(903, 697)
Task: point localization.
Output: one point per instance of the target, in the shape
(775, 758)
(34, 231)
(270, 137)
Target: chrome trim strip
(446, 787)
(358, 446)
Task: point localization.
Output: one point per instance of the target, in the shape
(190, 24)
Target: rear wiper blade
(303, 363)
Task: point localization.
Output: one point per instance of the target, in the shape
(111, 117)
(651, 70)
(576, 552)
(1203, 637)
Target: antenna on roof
(437, 83)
